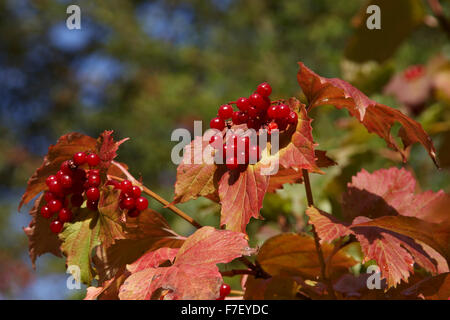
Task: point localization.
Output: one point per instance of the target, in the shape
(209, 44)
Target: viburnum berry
(54, 205)
(55, 187)
(141, 203)
(79, 175)
(50, 179)
(293, 118)
(127, 203)
(283, 111)
(126, 186)
(79, 158)
(264, 89)
(93, 180)
(45, 212)
(216, 141)
(232, 163)
(413, 72)
(66, 168)
(225, 111)
(76, 200)
(243, 117)
(66, 181)
(134, 213)
(257, 100)
(253, 112)
(56, 226)
(217, 123)
(49, 196)
(93, 160)
(282, 123)
(114, 183)
(136, 192)
(272, 126)
(65, 215)
(253, 124)
(272, 112)
(225, 290)
(243, 104)
(92, 205)
(92, 194)
(235, 117)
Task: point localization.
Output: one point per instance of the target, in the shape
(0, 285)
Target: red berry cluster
(414, 72)
(257, 112)
(130, 197)
(66, 189)
(225, 290)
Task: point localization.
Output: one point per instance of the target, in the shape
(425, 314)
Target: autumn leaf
(432, 288)
(274, 288)
(91, 229)
(64, 149)
(296, 255)
(107, 148)
(109, 290)
(190, 272)
(376, 117)
(40, 238)
(394, 242)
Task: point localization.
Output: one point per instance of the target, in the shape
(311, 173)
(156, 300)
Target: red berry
(93, 160)
(225, 290)
(217, 123)
(283, 111)
(235, 117)
(45, 212)
(282, 123)
(79, 158)
(92, 194)
(253, 124)
(65, 167)
(134, 213)
(243, 104)
(264, 89)
(413, 72)
(93, 180)
(253, 112)
(77, 200)
(50, 179)
(65, 215)
(135, 192)
(92, 205)
(94, 171)
(243, 117)
(127, 203)
(232, 163)
(257, 100)
(49, 196)
(126, 186)
(55, 187)
(225, 111)
(66, 181)
(79, 175)
(54, 205)
(215, 141)
(141, 203)
(272, 112)
(272, 126)
(56, 226)
(114, 183)
(293, 118)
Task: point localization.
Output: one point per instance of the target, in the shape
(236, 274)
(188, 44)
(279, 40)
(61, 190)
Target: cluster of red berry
(414, 72)
(225, 290)
(72, 185)
(257, 112)
(130, 197)
(70, 182)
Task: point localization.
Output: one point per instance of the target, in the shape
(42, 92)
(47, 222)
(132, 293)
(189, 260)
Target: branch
(236, 272)
(439, 13)
(309, 197)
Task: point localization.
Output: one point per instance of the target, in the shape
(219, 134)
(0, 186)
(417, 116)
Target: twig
(236, 272)
(310, 199)
(436, 7)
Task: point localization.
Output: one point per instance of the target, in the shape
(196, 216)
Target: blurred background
(145, 68)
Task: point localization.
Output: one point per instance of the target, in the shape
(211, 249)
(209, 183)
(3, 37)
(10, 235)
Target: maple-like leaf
(394, 242)
(148, 232)
(40, 238)
(296, 255)
(91, 229)
(107, 148)
(189, 272)
(274, 288)
(391, 192)
(376, 117)
(432, 288)
(64, 149)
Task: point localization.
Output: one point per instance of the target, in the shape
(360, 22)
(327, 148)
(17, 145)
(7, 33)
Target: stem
(237, 292)
(436, 7)
(310, 199)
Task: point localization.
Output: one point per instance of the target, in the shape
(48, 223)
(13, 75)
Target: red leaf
(107, 148)
(40, 238)
(241, 196)
(376, 117)
(64, 149)
(433, 288)
(189, 272)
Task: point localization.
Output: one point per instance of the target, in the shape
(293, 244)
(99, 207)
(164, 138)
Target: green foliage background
(145, 68)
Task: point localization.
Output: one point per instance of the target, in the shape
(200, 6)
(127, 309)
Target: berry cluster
(257, 112)
(73, 184)
(130, 197)
(414, 72)
(225, 290)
